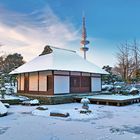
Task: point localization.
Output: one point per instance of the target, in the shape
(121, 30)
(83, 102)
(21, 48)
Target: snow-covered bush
(117, 89)
(2, 91)
(134, 91)
(117, 83)
(11, 88)
(34, 102)
(107, 87)
(31, 102)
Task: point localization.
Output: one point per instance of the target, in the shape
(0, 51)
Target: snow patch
(114, 97)
(75, 115)
(3, 109)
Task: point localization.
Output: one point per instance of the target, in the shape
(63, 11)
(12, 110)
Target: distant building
(58, 71)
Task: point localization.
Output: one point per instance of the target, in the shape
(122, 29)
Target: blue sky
(27, 25)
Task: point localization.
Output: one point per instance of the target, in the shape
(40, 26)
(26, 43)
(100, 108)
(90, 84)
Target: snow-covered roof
(59, 59)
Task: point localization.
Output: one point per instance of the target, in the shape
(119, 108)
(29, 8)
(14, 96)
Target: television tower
(84, 40)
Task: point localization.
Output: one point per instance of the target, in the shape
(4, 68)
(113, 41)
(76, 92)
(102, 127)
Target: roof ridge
(63, 49)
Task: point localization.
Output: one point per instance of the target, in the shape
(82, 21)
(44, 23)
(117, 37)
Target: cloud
(29, 33)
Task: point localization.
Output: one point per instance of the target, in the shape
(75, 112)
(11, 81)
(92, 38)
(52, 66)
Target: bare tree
(125, 65)
(136, 59)
(128, 65)
(123, 60)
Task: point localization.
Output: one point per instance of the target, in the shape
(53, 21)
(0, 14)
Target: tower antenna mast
(84, 40)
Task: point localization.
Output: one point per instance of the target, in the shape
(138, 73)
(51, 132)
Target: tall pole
(84, 55)
(84, 40)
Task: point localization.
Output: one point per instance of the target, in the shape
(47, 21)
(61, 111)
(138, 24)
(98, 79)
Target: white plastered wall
(42, 81)
(33, 81)
(61, 84)
(95, 84)
(22, 82)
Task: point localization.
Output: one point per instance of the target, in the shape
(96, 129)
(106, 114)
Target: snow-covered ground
(114, 97)
(108, 123)
(3, 109)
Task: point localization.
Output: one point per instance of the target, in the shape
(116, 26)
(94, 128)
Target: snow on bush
(107, 87)
(134, 90)
(35, 101)
(11, 88)
(119, 83)
(3, 109)
(118, 87)
(2, 91)
(31, 102)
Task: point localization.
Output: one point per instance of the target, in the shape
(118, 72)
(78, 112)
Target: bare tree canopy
(128, 61)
